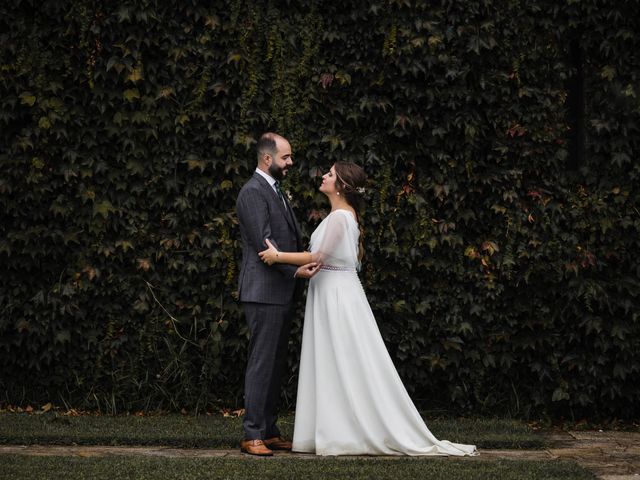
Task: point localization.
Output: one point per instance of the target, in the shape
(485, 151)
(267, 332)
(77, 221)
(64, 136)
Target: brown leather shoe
(255, 447)
(278, 443)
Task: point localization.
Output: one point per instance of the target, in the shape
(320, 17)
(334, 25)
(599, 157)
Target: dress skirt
(351, 400)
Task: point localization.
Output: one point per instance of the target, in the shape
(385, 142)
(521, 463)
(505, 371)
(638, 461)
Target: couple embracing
(350, 399)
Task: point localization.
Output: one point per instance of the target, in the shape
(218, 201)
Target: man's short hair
(267, 145)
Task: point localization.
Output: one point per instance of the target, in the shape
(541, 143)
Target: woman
(351, 400)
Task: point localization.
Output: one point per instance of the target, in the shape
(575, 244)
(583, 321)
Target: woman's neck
(338, 203)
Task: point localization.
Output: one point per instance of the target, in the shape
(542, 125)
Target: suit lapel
(293, 217)
(286, 211)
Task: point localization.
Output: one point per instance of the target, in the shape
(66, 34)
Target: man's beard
(277, 172)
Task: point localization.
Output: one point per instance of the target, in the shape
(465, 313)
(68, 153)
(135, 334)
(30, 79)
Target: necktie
(279, 192)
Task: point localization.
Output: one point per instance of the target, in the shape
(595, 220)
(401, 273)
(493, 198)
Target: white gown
(351, 400)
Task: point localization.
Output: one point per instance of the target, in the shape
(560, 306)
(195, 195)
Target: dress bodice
(335, 241)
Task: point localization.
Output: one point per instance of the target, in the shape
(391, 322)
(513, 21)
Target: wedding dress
(351, 400)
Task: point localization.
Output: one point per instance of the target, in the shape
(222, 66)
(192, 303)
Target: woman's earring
(337, 193)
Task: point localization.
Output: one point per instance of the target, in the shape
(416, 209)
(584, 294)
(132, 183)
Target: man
(266, 293)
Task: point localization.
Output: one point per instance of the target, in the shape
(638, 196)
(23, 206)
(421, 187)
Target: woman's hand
(308, 270)
(270, 255)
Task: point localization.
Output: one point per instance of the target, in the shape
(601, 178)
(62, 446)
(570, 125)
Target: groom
(267, 293)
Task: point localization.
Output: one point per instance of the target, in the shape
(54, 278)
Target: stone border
(609, 455)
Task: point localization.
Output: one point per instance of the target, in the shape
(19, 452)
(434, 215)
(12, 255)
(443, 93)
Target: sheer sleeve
(334, 247)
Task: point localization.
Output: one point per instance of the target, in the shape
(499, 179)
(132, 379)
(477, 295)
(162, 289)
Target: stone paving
(610, 455)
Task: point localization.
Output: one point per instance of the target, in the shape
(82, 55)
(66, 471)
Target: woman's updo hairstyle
(350, 183)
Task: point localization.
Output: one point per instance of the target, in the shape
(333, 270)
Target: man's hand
(308, 270)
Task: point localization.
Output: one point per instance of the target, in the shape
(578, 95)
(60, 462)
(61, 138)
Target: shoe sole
(242, 450)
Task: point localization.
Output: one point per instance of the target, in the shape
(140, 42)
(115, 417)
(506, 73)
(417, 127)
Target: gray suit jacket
(262, 215)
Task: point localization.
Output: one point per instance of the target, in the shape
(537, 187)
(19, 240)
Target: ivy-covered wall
(502, 219)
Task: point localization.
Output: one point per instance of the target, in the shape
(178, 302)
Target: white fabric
(351, 400)
(332, 242)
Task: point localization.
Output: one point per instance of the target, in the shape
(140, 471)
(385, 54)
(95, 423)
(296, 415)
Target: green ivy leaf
(131, 94)
(103, 208)
(27, 98)
(608, 72)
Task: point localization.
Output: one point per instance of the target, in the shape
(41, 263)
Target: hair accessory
(360, 190)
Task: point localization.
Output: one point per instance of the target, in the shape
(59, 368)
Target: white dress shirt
(272, 182)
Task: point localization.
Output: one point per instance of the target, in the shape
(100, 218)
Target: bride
(351, 400)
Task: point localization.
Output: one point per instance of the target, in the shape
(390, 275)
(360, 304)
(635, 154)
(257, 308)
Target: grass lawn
(223, 432)
(72, 468)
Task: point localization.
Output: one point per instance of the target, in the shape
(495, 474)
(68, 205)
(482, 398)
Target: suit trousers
(270, 326)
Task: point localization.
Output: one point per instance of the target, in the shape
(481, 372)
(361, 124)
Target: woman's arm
(271, 255)
(253, 213)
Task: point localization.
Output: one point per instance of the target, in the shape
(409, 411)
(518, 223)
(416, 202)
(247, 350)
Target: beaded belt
(334, 268)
